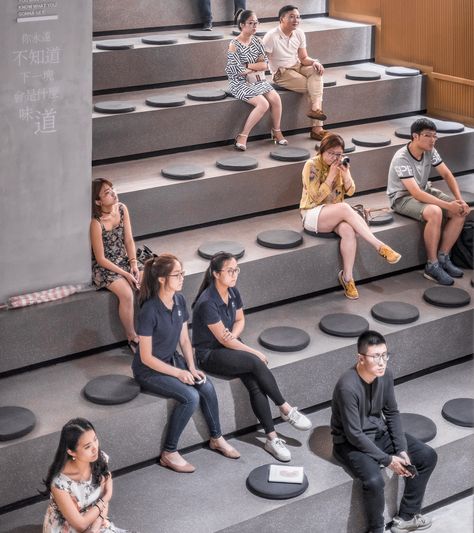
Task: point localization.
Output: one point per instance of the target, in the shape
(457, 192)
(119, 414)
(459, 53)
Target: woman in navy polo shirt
(218, 322)
(159, 368)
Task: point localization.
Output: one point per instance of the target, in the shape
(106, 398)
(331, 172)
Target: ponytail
(216, 264)
(158, 266)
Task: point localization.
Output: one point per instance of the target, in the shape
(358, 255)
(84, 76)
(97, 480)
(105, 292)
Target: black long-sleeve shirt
(362, 412)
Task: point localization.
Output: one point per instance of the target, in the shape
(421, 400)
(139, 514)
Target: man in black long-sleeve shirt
(367, 435)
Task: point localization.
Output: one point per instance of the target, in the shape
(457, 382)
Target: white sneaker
(278, 449)
(297, 419)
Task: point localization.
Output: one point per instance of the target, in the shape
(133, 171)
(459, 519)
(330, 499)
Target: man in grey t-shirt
(411, 194)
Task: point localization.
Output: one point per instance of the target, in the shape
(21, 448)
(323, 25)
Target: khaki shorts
(408, 206)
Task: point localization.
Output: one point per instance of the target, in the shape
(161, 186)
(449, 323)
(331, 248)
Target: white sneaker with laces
(278, 449)
(297, 420)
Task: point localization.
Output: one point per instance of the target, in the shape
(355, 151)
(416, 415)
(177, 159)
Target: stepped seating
(333, 41)
(240, 511)
(158, 204)
(123, 15)
(143, 130)
(42, 333)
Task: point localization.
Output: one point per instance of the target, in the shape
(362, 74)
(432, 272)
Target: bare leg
(333, 214)
(260, 108)
(433, 217)
(348, 248)
(274, 100)
(124, 293)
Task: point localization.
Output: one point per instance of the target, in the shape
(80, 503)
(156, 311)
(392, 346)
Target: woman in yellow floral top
(326, 181)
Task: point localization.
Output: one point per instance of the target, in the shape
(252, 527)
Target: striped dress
(236, 66)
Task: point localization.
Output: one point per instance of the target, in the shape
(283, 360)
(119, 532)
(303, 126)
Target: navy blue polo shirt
(163, 325)
(211, 309)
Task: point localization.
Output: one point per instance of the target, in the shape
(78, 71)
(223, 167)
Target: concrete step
(158, 204)
(41, 333)
(149, 129)
(331, 503)
(120, 15)
(331, 40)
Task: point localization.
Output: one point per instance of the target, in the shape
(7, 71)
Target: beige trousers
(304, 80)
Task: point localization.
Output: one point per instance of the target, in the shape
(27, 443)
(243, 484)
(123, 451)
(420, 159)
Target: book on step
(285, 474)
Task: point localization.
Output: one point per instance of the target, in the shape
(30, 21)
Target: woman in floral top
(114, 262)
(326, 181)
(79, 483)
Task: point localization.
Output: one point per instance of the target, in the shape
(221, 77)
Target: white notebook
(285, 474)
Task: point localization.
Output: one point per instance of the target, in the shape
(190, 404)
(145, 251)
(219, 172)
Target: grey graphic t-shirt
(404, 165)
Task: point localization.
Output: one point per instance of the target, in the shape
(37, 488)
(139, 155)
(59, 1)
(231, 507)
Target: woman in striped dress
(246, 66)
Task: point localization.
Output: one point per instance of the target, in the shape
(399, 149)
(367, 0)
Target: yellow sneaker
(350, 290)
(391, 256)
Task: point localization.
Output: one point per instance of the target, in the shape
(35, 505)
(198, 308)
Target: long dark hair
(96, 187)
(70, 435)
(216, 264)
(159, 266)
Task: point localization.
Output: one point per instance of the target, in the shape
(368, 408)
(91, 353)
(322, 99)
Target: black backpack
(462, 251)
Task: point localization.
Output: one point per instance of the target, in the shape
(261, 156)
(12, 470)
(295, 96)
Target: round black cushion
(279, 238)
(459, 411)
(114, 44)
(446, 296)
(114, 106)
(444, 126)
(210, 248)
(258, 33)
(258, 484)
(395, 312)
(344, 324)
(329, 82)
(182, 172)
(419, 426)
(160, 39)
(284, 339)
(403, 132)
(111, 389)
(205, 35)
(363, 75)
(371, 139)
(237, 163)
(15, 422)
(285, 153)
(207, 95)
(468, 197)
(326, 235)
(402, 71)
(381, 219)
(165, 100)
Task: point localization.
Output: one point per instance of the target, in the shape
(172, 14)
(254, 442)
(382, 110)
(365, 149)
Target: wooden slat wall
(436, 36)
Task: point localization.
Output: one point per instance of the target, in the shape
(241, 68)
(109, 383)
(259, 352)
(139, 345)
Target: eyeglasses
(177, 275)
(378, 357)
(253, 23)
(429, 135)
(335, 154)
(231, 271)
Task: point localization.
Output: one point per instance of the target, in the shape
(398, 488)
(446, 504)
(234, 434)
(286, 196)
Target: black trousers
(254, 374)
(369, 472)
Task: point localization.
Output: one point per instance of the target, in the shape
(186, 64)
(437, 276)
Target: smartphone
(412, 469)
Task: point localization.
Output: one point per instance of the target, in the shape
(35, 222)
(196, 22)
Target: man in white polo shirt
(293, 68)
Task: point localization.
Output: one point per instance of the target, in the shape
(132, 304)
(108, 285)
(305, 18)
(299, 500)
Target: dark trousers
(188, 398)
(206, 13)
(369, 472)
(254, 374)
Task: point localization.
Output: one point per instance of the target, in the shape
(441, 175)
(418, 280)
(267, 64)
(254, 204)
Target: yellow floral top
(316, 191)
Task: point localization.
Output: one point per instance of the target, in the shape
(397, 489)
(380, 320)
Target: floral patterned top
(316, 191)
(84, 494)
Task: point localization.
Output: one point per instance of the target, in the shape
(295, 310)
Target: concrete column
(45, 143)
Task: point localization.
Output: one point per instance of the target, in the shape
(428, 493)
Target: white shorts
(310, 218)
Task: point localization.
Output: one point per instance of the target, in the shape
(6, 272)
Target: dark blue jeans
(206, 13)
(369, 472)
(188, 398)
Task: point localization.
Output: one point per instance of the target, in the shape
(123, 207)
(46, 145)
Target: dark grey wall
(45, 146)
